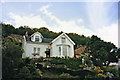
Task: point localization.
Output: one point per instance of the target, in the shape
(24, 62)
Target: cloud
(57, 25)
(109, 33)
(66, 26)
(80, 21)
(99, 13)
(29, 20)
(101, 21)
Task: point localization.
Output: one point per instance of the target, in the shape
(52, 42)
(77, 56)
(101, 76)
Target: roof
(65, 36)
(37, 33)
(44, 40)
(48, 40)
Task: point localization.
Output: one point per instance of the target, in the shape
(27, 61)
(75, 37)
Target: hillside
(8, 29)
(14, 66)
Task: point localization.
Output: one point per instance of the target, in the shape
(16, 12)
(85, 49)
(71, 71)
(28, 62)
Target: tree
(24, 73)
(101, 55)
(7, 29)
(118, 53)
(13, 64)
(11, 57)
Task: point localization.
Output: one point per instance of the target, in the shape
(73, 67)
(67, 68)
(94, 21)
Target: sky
(87, 18)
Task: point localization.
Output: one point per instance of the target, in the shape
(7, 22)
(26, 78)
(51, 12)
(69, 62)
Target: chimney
(26, 34)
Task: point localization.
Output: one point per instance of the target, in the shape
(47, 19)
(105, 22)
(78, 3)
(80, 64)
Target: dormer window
(63, 40)
(36, 38)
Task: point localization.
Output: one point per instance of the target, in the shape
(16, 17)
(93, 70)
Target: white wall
(55, 49)
(29, 49)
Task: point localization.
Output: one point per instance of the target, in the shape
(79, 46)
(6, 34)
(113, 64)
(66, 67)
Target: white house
(36, 46)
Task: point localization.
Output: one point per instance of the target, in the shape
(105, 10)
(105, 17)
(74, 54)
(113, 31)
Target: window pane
(36, 38)
(59, 51)
(34, 50)
(65, 50)
(63, 40)
(38, 50)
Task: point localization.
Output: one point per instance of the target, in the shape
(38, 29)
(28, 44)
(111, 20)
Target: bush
(69, 62)
(24, 73)
(65, 75)
(89, 76)
(112, 70)
(40, 59)
(98, 69)
(101, 75)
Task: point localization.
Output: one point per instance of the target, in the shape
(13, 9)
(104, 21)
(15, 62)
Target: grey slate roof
(44, 40)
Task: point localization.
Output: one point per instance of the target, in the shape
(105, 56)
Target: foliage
(7, 29)
(112, 70)
(24, 73)
(65, 75)
(118, 52)
(79, 39)
(40, 59)
(100, 50)
(101, 75)
(13, 64)
(69, 62)
(11, 57)
(101, 55)
(98, 69)
(112, 57)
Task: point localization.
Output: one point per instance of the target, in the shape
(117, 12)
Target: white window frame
(60, 50)
(38, 50)
(37, 37)
(34, 49)
(63, 40)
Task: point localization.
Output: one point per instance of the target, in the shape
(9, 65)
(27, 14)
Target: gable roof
(49, 40)
(36, 33)
(65, 36)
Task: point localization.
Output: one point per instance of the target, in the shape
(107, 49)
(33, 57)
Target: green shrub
(112, 70)
(40, 59)
(69, 62)
(65, 75)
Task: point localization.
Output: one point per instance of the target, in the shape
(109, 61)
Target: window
(63, 40)
(34, 49)
(36, 38)
(40, 39)
(38, 50)
(64, 50)
(59, 50)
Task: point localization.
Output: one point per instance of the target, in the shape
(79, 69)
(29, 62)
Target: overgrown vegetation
(72, 63)
(13, 66)
(102, 53)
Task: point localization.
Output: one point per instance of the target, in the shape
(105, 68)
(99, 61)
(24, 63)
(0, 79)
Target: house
(36, 46)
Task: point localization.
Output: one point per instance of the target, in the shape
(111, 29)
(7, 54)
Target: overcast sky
(87, 18)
